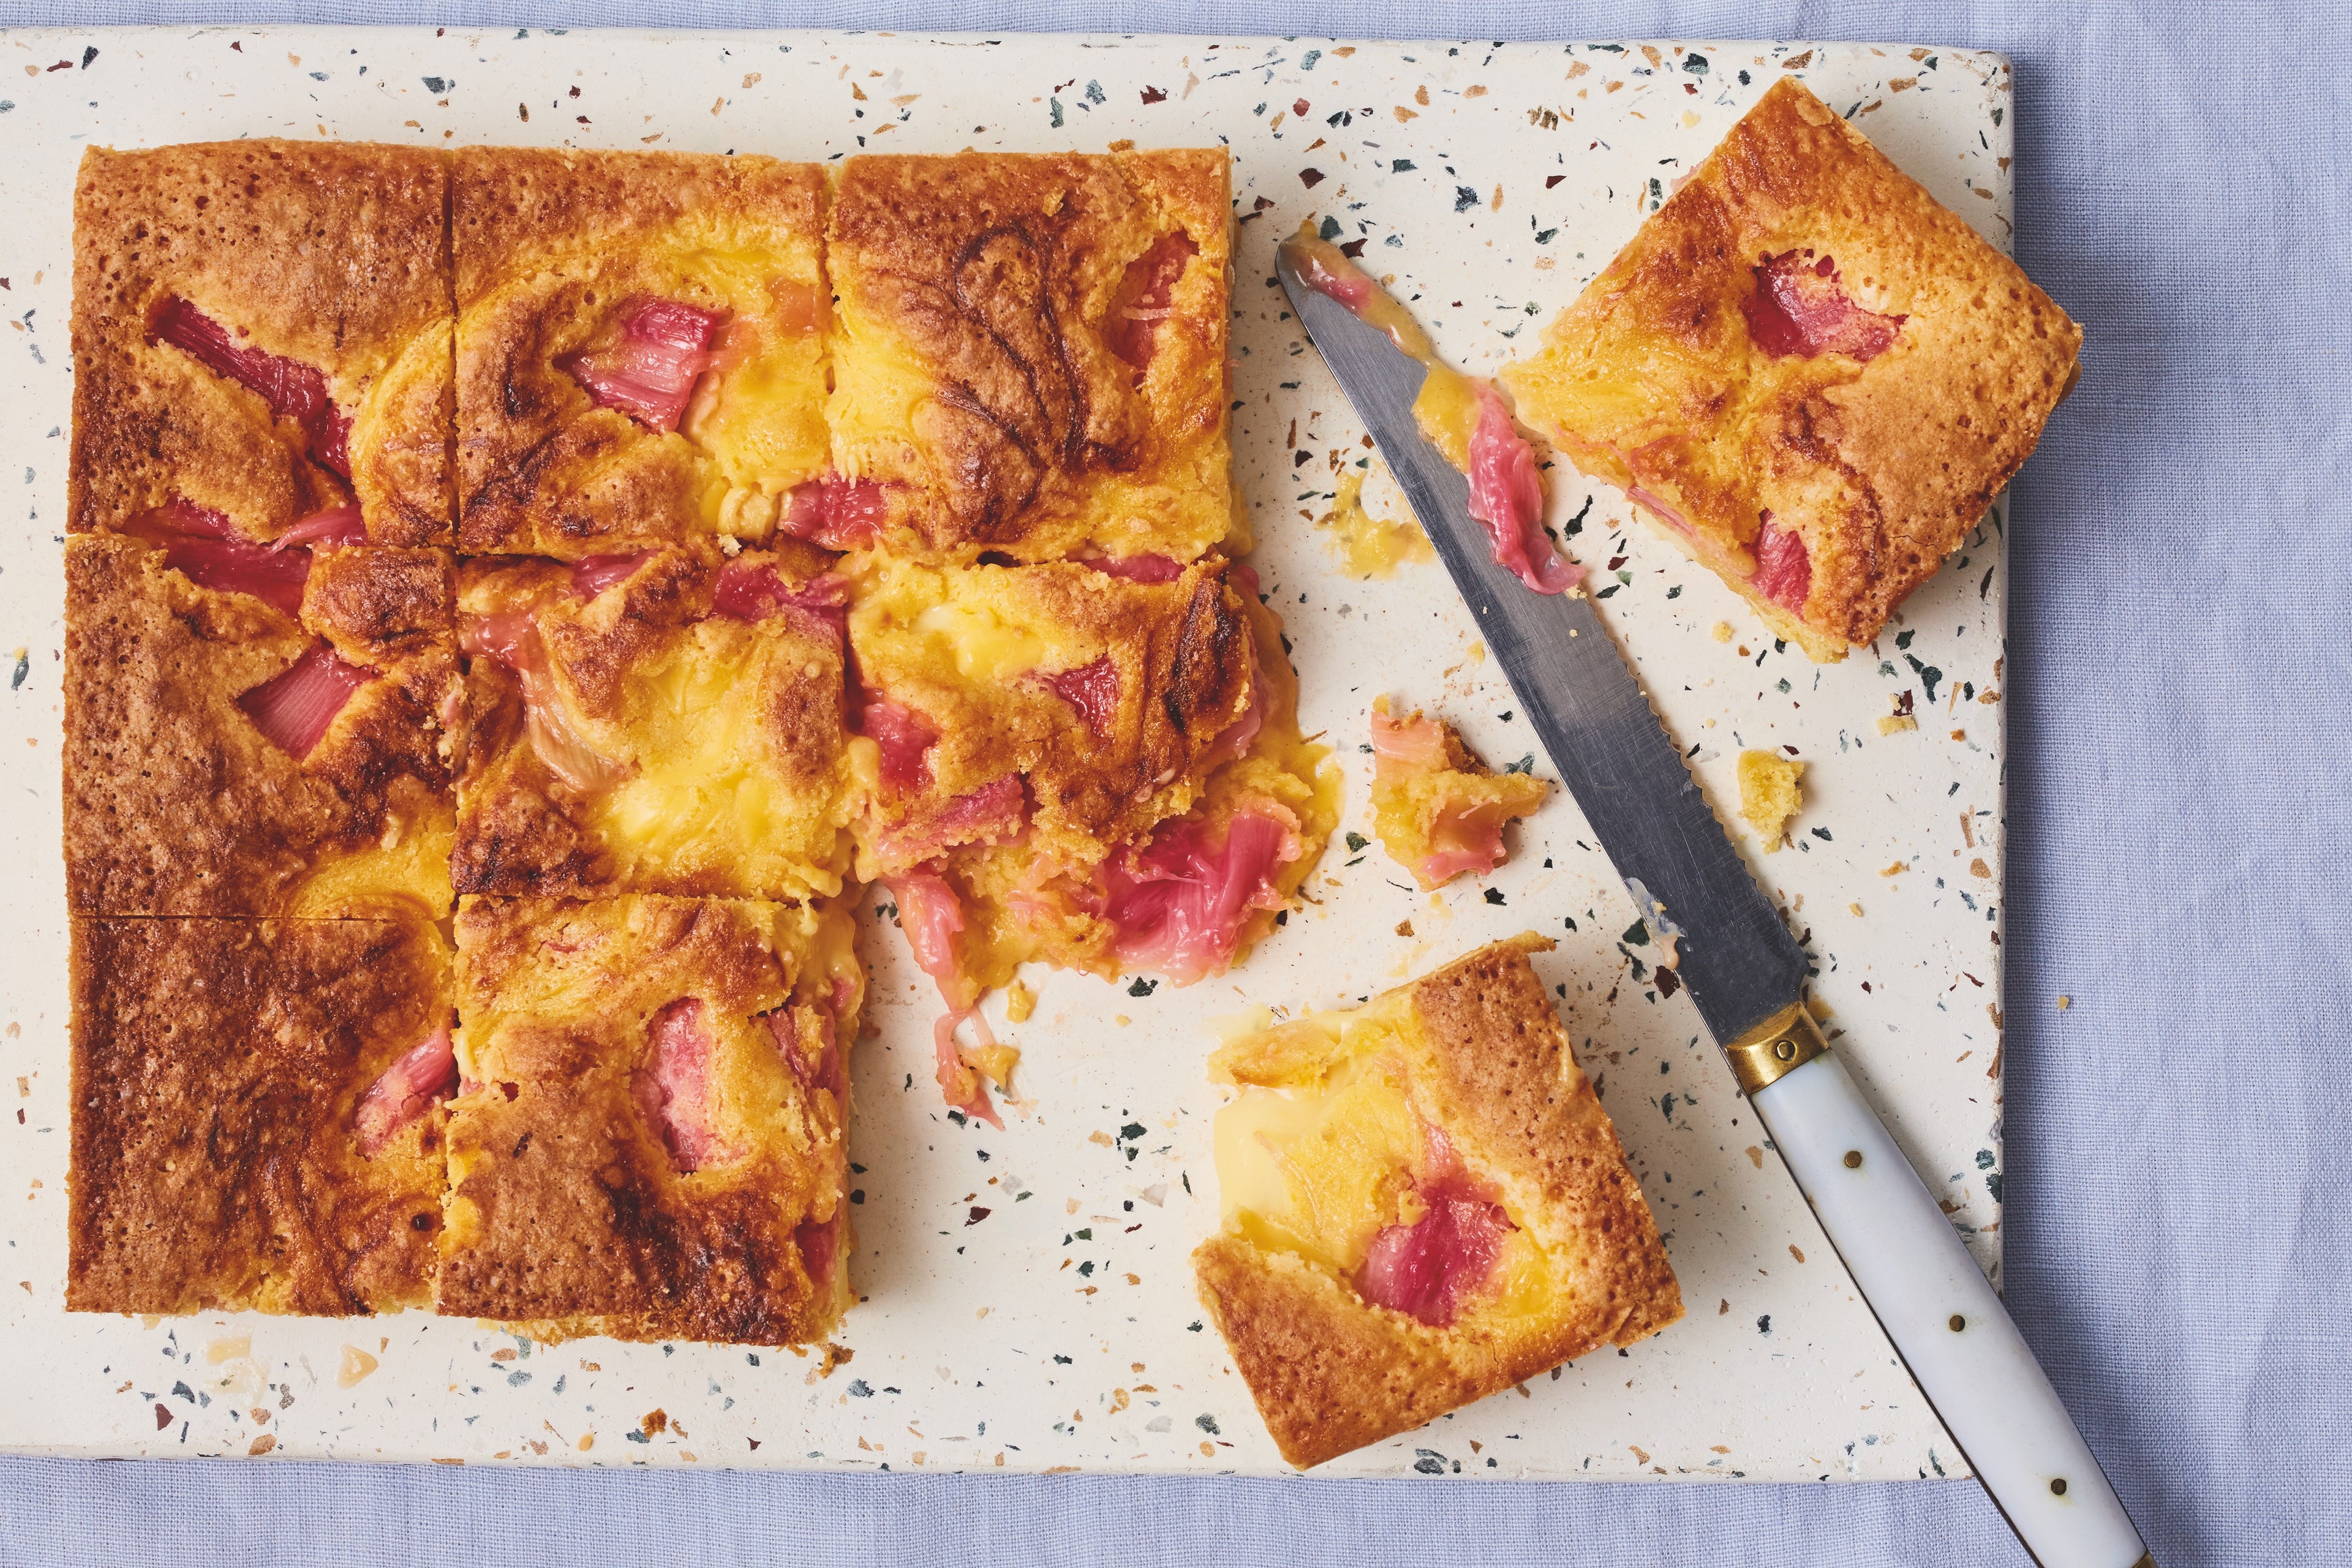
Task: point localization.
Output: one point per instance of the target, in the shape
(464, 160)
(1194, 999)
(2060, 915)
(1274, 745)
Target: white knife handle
(1947, 1324)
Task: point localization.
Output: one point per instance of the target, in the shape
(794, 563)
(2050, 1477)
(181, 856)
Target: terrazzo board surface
(1026, 1299)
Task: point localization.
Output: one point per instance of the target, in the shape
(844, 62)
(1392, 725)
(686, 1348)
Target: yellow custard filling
(1316, 1153)
(705, 795)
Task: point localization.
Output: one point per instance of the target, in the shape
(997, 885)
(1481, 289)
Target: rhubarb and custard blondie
(641, 350)
(253, 734)
(1030, 355)
(1424, 1203)
(256, 1116)
(262, 331)
(669, 721)
(1093, 769)
(1811, 374)
(648, 1138)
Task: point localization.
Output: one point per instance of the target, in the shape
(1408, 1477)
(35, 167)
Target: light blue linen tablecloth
(2178, 1232)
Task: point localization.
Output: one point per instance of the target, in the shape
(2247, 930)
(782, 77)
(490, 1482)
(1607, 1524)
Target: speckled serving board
(1026, 1299)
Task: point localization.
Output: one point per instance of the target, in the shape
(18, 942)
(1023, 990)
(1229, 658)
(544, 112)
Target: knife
(1747, 974)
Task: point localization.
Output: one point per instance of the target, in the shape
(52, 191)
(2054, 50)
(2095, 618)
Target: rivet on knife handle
(1779, 1046)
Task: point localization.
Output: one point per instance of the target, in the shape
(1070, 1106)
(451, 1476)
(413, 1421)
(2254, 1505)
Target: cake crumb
(1437, 810)
(1769, 795)
(1020, 1002)
(1896, 870)
(992, 1062)
(1371, 546)
(1895, 723)
(1722, 632)
(1854, 909)
(356, 1363)
(2064, 1002)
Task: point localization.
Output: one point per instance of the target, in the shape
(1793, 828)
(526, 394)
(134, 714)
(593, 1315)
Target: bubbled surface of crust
(325, 253)
(175, 804)
(548, 245)
(1649, 380)
(217, 1069)
(565, 1207)
(1489, 1064)
(1185, 661)
(973, 374)
(614, 663)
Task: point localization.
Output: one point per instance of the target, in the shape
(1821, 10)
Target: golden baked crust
(177, 804)
(552, 248)
(977, 359)
(1106, 700)
(568, 1207)
(1476, 1051)
(1877, 438)
(327, 254)
(217, 1066)
(661, 745)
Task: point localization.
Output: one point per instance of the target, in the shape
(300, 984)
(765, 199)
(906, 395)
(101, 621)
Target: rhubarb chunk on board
(648, 1138)
(1424, 1203)
(226, 756)
(662, 722)
(262, 328)
(1030, 354)
(1812, 376)
(221, 1156)
(641, 348)
(1436, 808)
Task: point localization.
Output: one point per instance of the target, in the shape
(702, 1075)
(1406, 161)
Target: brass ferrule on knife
(1775, 1047)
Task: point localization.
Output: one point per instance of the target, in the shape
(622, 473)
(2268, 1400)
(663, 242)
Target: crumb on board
(1722, 632)
(994, 1062)
(1768, 795)
(1895, 723)
(356, 1363)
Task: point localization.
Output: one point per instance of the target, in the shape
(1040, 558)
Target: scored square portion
(641, 349)
(648, 1141)
(1056, 704)
(1096, 770)
(1030, 358)
(273, 748)
(1424, 1203)
(1812, 375)
(255, 1122)
(261, 330)
(663, 722)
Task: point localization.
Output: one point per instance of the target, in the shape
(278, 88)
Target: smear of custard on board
(1371, 546)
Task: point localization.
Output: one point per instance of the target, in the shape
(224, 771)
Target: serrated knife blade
(1747, 974)
(1742, 966)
